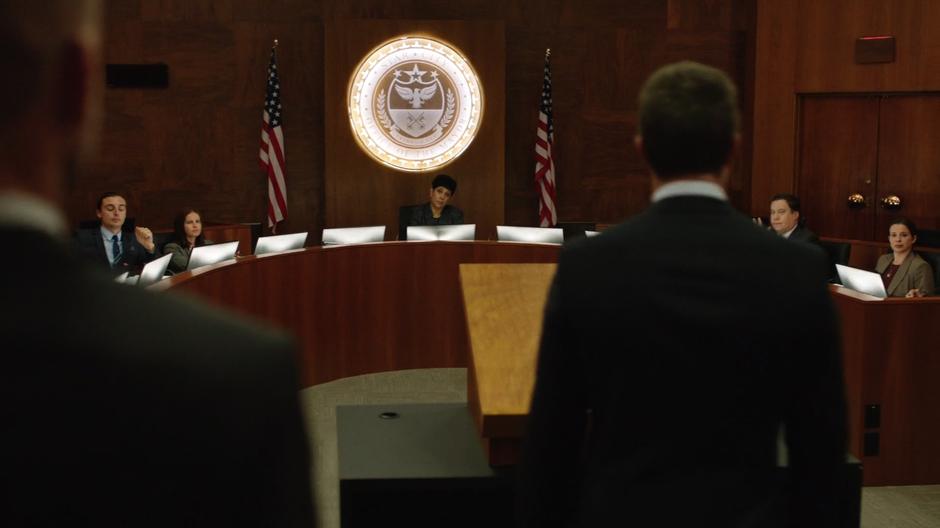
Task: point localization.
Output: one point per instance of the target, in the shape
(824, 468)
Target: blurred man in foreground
(104, 423)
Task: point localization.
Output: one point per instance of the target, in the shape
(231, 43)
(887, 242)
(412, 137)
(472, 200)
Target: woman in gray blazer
(905, 273)
(187, 234)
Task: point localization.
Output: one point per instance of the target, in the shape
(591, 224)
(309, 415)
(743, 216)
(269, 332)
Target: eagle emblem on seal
(416, 107)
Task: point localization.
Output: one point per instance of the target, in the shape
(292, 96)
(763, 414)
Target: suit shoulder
(184, 329)
(920, 265)
(918, 260)
(86, 236)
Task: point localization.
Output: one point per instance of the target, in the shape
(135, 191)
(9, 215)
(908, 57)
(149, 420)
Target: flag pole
(544, 157)
(271, 155)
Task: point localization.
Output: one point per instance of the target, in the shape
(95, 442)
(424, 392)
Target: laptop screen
(862, 281)
(442, 232)
(353, 235)
(207, 255)
(153, 271)
(543, 235)
(277, 243)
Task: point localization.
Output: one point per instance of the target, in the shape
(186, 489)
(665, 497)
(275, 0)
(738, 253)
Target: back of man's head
(50, 50)
(689, 118)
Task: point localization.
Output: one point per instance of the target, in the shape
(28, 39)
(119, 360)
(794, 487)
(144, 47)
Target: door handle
(892, 202)
(856, 201)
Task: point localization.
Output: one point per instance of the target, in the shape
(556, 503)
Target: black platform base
(417, 465)
(421, 465)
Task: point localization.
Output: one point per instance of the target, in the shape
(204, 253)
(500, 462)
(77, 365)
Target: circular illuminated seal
(415, 103)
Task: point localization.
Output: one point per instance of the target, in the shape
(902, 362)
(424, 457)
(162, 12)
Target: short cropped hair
(443, 180)
(792, 201)
(688, 116)
(108, 194)
(31, 38)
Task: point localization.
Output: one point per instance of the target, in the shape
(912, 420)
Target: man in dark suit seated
(107, 246)
(661, 383)
(118, 406)
(785, 219)
(435, 211)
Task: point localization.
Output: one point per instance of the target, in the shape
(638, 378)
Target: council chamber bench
(398, 305)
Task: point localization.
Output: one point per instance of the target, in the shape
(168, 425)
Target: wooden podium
(504, 305)
(891, 355)
(891, 351)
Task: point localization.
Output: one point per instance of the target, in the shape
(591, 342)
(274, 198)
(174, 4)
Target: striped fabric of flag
(272, 148)
(544, 159)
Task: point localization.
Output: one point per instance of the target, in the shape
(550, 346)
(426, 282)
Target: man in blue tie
(108, 245)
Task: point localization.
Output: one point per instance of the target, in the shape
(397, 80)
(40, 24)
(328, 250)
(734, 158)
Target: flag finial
(548, 52)
(275, 43)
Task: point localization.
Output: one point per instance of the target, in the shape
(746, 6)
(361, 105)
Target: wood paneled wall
(196, 142)
(807, 47)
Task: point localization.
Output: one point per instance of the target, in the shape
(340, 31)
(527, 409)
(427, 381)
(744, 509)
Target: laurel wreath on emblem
(449, 111)
(386, 120)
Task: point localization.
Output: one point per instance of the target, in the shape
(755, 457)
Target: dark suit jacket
(801, 234)
(662, 382)
(133, 255)
(422, 215)
(122, 407)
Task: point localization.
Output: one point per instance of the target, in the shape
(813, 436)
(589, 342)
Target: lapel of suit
(882, 264)
(899, 277)
(99, 244)
(127, 245)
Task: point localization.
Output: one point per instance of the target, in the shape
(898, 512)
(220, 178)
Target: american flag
(544, 159)
(272, 147)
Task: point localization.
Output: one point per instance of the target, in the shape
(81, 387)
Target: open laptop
(862, 281)
(278, 243)
(153, 271)
(207, 255)
(353, 235)
(542, 235)
(442, 232)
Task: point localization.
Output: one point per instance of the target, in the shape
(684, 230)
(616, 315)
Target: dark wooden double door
(870, 148)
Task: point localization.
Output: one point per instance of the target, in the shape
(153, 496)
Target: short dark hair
(179, 228)
(792, 201)
(443, 180)
(108, 195)
(906, 222)
(688, 115)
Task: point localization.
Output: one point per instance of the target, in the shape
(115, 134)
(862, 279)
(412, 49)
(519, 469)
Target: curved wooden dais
(360, 309)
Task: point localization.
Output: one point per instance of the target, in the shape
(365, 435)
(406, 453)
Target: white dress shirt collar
(690, 188)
